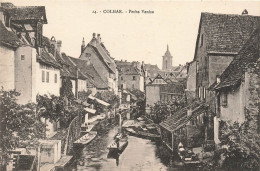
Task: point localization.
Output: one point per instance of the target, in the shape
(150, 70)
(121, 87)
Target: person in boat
(181, 150)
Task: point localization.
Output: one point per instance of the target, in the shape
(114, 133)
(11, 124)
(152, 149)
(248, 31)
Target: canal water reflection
(140, 154)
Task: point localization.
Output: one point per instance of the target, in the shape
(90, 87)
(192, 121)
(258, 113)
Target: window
(47, 77)
(122, 86)
(134, 78)
(204, 93)
(22, 57)
(133, 86)
(224, 100)
(55, 78)
(199, 92)
(43, 76)
(122, 78)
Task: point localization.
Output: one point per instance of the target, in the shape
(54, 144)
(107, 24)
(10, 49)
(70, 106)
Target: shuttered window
(47, 77)
(43, 76)
(55, 78)
(224, 100)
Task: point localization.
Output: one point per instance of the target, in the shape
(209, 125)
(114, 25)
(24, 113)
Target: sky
(133, 37)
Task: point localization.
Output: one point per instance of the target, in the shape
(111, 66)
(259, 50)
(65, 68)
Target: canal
(140, 154)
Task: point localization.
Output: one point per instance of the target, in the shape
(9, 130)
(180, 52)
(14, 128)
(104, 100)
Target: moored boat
(143, 134)
(86, 139)
(119, 145)
(188, 157)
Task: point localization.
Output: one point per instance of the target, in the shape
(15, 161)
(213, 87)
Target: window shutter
(47, 77)
(43, 76)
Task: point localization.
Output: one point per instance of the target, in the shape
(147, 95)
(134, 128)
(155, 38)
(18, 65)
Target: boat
(130, 131)
(119, 145)
(143, 134)
(86, 139)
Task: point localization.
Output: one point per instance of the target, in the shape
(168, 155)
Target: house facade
(33, 70)
(161, 90)
(100, 58)
(237, 88)
(131, 75)
(220, 37)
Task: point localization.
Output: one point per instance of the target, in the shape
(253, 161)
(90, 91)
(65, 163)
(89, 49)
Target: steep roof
(152, 70)
(72, 68)
(8, 38)
(26, 13)
(180, 118)
(128, 68)
(235, 71)
(225, 33)
(47, 58)
(88, 69)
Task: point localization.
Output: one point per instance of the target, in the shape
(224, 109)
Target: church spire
(167, 47)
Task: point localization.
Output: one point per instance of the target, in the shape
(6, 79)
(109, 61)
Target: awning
(180, 118)
(98, 100)
(93, 111)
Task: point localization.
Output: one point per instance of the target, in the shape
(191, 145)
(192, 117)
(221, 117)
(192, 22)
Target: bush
(19, 123)
(242, 150)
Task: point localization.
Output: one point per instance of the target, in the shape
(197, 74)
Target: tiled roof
(128, 70)
(150, 67)
(73, 69)
(48, 59)
(234, 72)
(46, 41)
(27, 13)
(8, 38)
(180, 118)
(226, 33)
(88, 69)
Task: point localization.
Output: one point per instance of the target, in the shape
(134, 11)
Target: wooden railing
(73, 134)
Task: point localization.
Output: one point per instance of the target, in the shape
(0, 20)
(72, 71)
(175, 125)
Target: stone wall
(252, 100)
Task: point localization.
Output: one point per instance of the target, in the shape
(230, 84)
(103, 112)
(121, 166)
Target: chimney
(218, 79)
(94, 35)
(98, 39)
(83, 45)
(59, 42)
(54, 43)
(245, 12)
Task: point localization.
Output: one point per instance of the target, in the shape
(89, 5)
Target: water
(140, 154)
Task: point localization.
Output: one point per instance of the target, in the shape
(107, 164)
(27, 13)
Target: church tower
(167, 60)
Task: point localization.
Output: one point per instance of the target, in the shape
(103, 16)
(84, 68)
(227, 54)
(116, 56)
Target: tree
(20, 124)
(66, 89)
(163, 109)
(56, 109)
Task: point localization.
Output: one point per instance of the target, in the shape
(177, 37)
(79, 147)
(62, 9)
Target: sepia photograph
(135, 85)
